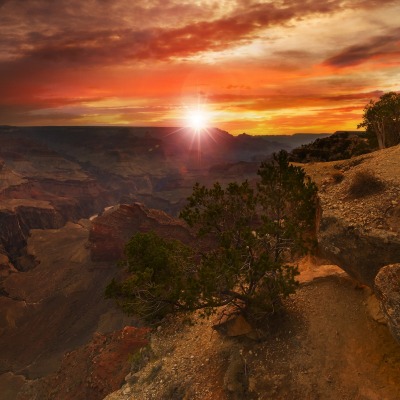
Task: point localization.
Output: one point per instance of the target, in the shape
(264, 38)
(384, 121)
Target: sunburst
(197, 119)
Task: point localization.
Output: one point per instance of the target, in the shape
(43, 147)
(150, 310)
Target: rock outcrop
(360, 235)
(56, 306)
(78, 171)
(387, 289)
(6, 267)
(91, 371)
(359, 252)
(62, 297)
(111, 230)
(17, 217)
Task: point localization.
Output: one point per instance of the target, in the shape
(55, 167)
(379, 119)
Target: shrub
(338, 177)
(252, 234)
(365, 183)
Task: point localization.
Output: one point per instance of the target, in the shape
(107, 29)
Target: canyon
(71, 197)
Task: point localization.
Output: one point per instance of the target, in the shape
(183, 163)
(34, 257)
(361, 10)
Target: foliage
(383, 118)
(159, 274)
(365, 183)
(247, 236)
(341, 145)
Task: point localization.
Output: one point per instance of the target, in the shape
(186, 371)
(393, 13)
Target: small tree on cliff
(247, 234)
(382, 117)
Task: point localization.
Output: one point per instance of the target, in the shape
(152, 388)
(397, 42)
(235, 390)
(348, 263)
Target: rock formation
(62, 297)
(91, 371)
(113, 228)
(56, 327)
(51, 175)
(54, 307)
(361, 235)
(387, 288)
(361, 253)
(339, 146)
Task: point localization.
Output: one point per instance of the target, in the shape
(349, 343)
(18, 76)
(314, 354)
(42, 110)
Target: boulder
(232, 324)
(387, 288)
(360, 252)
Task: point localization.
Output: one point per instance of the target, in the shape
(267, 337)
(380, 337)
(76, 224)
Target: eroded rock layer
(111, 230)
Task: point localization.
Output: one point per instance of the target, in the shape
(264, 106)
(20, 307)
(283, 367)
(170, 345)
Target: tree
(248, 237)
(159, 277)
(383, 118)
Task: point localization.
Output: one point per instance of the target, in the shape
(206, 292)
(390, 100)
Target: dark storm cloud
(375, 47)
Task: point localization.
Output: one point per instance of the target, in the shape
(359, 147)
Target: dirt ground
(326, 347)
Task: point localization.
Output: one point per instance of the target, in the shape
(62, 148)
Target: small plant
(338, 177)
(155, 370)
(365, 183)
(175, 391)
(140, 358)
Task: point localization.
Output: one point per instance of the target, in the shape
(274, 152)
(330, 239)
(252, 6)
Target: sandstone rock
(111, 230)
(56, 306)
(360, 253)
(18, 216)
(94, 370)
(232, 325)
(387, 288)
(320, 272)
(10, 385)
(374, 309)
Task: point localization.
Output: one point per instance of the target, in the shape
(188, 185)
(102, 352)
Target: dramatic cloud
(263, 64)
(378, 47)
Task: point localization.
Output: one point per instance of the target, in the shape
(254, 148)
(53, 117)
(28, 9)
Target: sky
(260, 67)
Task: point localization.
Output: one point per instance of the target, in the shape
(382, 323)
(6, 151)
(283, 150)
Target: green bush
(248, 235)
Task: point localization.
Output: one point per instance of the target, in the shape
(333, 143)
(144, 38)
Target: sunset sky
(260, 67)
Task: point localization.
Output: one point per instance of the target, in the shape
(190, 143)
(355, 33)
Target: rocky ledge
(387, 288)
(360, 234)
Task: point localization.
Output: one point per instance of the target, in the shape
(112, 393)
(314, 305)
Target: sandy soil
(325, 347)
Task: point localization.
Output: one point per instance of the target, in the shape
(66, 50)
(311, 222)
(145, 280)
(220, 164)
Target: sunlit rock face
(387, 288)
(111, 230)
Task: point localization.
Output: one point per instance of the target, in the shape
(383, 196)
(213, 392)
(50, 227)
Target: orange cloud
(261, 67)
(377, 47)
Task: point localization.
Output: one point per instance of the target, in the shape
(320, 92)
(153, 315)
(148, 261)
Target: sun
(197, 119)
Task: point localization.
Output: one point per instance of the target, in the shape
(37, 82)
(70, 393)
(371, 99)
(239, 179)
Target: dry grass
(337, 177)
(365, 183)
